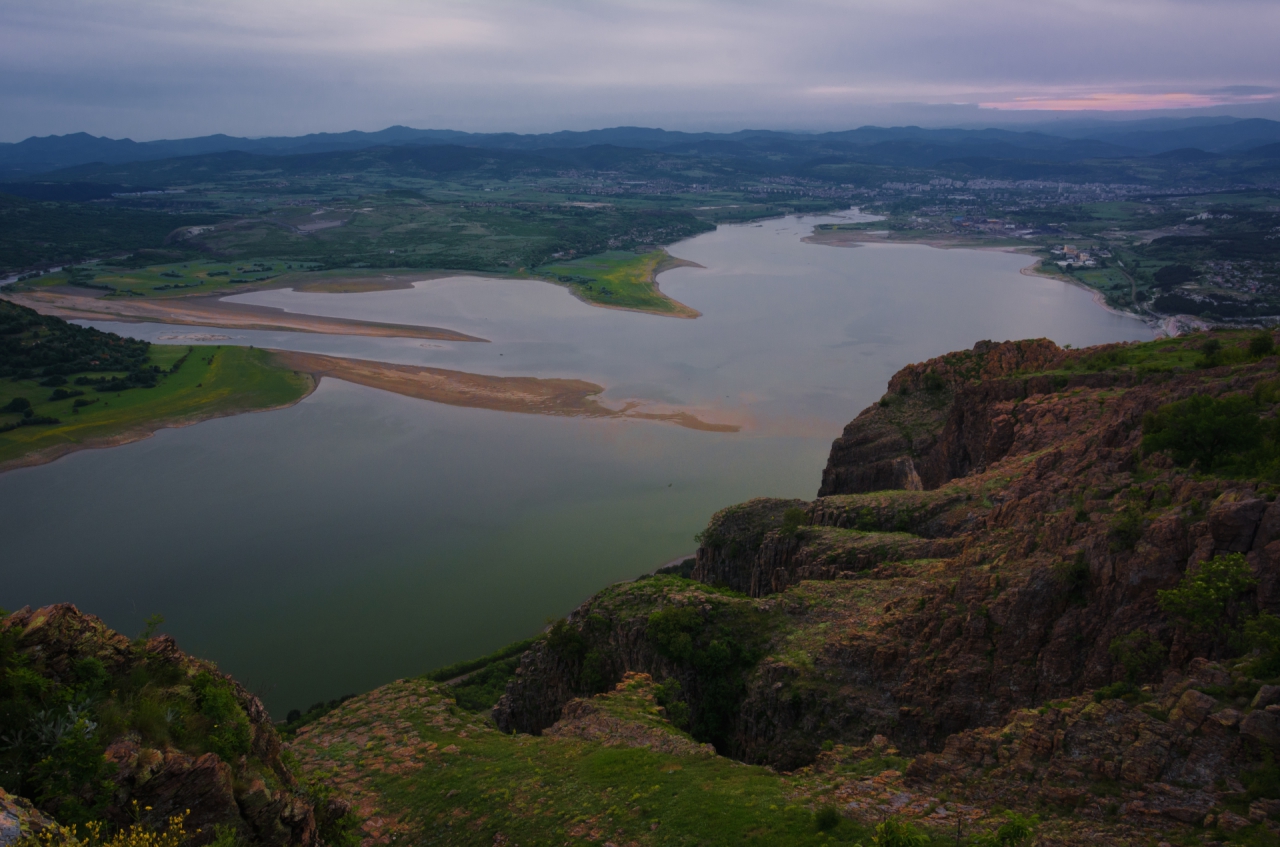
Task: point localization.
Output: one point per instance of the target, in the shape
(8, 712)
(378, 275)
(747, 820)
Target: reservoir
(360, 536)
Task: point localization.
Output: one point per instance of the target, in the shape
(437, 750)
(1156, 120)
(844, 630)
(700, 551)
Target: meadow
(209, 382)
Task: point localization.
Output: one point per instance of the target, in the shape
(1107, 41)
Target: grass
(212, 381)
(620, 279)
(447, 777)
(176, 279)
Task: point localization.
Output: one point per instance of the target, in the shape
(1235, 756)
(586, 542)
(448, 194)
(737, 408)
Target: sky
(148, 69)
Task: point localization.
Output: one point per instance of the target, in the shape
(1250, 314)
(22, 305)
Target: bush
(565, 639)
(1016, 830)
(17, 404)
(1073, 577)
(670, 698)
(1205, 600)
(1207, 432)
(898, 833)
(827, 818)
(671, 631)
(1126, 528)
(1261, 345)
(95, 834)
(228, 732)
(1138, 653)
(1262, 637)
(792, 519)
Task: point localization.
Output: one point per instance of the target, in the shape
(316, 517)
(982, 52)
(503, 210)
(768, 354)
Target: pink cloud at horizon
(1126, 102)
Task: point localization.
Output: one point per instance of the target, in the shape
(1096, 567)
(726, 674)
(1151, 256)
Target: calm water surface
(361, 536)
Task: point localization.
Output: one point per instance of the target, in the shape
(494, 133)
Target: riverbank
(212, 383)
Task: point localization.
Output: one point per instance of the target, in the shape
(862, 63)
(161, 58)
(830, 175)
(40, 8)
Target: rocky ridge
(984, 535)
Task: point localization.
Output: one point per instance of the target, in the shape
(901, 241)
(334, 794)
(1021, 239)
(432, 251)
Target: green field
(621, 279)
(172, 279)
(211, 381)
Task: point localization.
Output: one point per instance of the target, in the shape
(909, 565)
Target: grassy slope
(213, 381)
(446, 776)
(619, 279)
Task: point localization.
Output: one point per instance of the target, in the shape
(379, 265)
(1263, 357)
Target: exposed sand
(213, 311)
(357, 282)
(529, 395)
(855, 237)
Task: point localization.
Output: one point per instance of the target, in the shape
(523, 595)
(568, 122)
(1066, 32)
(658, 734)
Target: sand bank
(528, 395)
(214, 311)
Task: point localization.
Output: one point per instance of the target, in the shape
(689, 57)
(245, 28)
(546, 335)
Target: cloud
(1127, 101)
(151, 69)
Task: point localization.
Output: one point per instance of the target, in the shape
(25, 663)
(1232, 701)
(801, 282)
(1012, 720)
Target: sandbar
(524, 394)
(214, 311)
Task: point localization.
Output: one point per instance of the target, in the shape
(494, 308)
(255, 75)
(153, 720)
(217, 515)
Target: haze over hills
(909, 145)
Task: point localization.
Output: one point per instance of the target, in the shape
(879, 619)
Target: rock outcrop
(1023, 534)
(19, 819)
(254, 793)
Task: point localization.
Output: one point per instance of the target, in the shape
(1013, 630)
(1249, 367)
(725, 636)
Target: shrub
(933, 383)
(827, 818)
(670, 698)
(17, 404)
(1138, 653)
(1204, 431)
(671, 631)
(565, 639)
(1210, 353)
(95, 834)
(898, 833)
(1017, 829)
(1262, 636)
(1261, 345)
(792, 519)
(228, 732)
(1073, 577)
(1204, 600)
(1126, 528)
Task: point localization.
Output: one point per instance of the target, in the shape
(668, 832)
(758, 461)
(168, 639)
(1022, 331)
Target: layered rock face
(253, 793)
(1026, 535)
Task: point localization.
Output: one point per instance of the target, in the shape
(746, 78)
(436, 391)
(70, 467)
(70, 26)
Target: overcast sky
(150, 69)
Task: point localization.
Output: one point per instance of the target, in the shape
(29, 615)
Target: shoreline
(668, 262)
(140, 433)
(850, 239)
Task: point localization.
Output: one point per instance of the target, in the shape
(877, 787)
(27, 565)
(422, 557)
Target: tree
(1205, 431)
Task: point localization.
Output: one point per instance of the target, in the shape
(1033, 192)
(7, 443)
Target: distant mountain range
(908, 145)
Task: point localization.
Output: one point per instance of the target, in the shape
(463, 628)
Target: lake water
(360, 536)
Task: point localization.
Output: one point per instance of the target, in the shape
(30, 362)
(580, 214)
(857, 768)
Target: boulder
(1234, 519)
(1262, 726)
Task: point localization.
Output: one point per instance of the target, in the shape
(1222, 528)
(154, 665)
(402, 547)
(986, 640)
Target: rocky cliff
(985, 535)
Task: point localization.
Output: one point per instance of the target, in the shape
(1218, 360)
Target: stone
(1228, 718)
(1267, 695)
(1231, 822)
(1191, 710)
(1263, 726)
(1234, 519)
